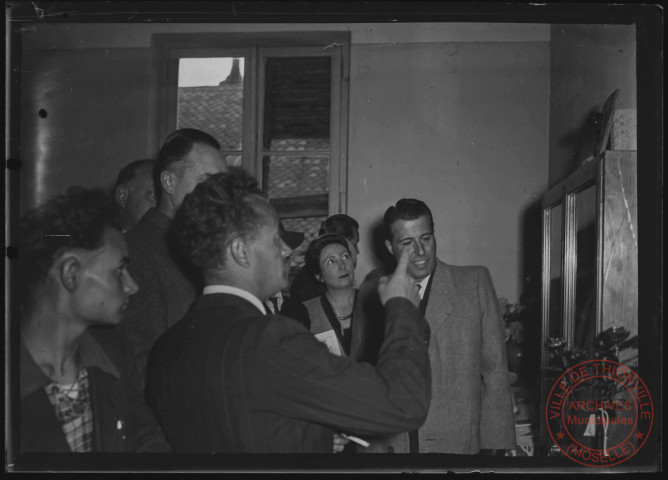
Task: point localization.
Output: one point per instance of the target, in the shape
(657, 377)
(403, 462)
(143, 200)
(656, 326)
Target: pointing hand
(399, 284)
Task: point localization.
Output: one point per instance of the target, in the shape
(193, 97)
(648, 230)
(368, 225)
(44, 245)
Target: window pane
(233, 160)
(297, 103)
(291, 176)
(211, 98)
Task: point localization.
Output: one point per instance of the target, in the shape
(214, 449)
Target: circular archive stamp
(599, 413)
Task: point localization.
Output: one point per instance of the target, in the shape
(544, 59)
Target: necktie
(274, 304)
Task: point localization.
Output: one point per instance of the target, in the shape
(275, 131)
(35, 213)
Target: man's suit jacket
(471, 406)
(227, 378)
(167, 287)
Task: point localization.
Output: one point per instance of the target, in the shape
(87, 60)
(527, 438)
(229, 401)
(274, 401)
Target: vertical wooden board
(620, 242)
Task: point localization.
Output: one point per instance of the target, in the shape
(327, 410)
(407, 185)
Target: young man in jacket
(75, 394)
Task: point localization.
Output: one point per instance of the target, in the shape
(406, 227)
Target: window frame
(254, 47)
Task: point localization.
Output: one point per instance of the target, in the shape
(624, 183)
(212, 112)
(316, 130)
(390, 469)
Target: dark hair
(129, 171)
(76, 219)
(176, 148)
(219, 209)
(315, 248)
(405, 209)
(341, 224)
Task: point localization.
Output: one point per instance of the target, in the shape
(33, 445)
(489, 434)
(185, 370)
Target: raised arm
(307, 382)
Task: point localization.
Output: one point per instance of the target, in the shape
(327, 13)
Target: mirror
(584, 318)
(554, 218)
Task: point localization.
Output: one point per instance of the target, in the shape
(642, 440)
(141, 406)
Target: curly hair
(219, 209)
(315, 248)
(76, 219)
(341, 224)
(405, 209)
(176, 148)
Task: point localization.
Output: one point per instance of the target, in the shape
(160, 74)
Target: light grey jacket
(471, 405)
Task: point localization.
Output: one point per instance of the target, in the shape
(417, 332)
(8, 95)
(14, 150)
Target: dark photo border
(648, 20)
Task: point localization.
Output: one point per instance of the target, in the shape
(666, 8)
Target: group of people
(157, 319)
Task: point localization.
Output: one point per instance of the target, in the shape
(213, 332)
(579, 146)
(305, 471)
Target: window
(210, 98)
(278, 106)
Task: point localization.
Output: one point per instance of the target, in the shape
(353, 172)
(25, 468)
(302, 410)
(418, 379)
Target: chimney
(235, 74)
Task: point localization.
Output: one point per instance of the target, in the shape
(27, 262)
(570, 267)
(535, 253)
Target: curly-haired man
(230, 378)
(75, 392)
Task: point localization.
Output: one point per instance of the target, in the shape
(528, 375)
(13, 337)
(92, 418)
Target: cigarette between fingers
(357, 440)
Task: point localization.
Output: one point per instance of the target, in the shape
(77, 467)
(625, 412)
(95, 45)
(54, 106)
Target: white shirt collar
(423, 285)
(279, 300)
(235, 291)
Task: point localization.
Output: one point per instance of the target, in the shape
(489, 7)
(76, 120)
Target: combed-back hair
(176, 148)
(315, 248)
(129, 171)
(405, 209)
(76, 219)
(341, 224)
(219, 209)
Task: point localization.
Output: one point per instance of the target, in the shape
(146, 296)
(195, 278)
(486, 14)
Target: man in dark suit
(471, 407)
(167, 287)
(229, 378)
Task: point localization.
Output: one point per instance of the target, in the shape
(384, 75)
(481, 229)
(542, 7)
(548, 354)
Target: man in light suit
(471, 407)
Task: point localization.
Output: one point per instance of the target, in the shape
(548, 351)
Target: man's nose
(131, 286)
(419, 248)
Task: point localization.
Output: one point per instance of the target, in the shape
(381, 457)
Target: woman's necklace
(343, 318)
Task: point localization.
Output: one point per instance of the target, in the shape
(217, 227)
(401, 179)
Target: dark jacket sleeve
(304, 287)
(143, 433)
(141, 324)
(305, 381)
(296, 310)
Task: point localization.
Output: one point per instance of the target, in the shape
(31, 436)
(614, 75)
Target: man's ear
(318, 277)
(388, 245)
(167, 181)
(239, 251)
(70, 272)
(121, 195)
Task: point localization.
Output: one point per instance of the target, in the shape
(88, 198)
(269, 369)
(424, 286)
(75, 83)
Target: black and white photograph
(333, 237)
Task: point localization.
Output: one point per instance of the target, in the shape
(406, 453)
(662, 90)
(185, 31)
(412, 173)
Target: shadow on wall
(581, 140)
(381, 255)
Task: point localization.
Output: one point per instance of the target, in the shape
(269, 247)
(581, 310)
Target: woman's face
(336, 266)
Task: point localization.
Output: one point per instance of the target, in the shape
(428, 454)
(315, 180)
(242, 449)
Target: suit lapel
(441, 297)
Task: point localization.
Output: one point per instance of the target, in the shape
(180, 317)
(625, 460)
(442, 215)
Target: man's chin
(420, 273)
